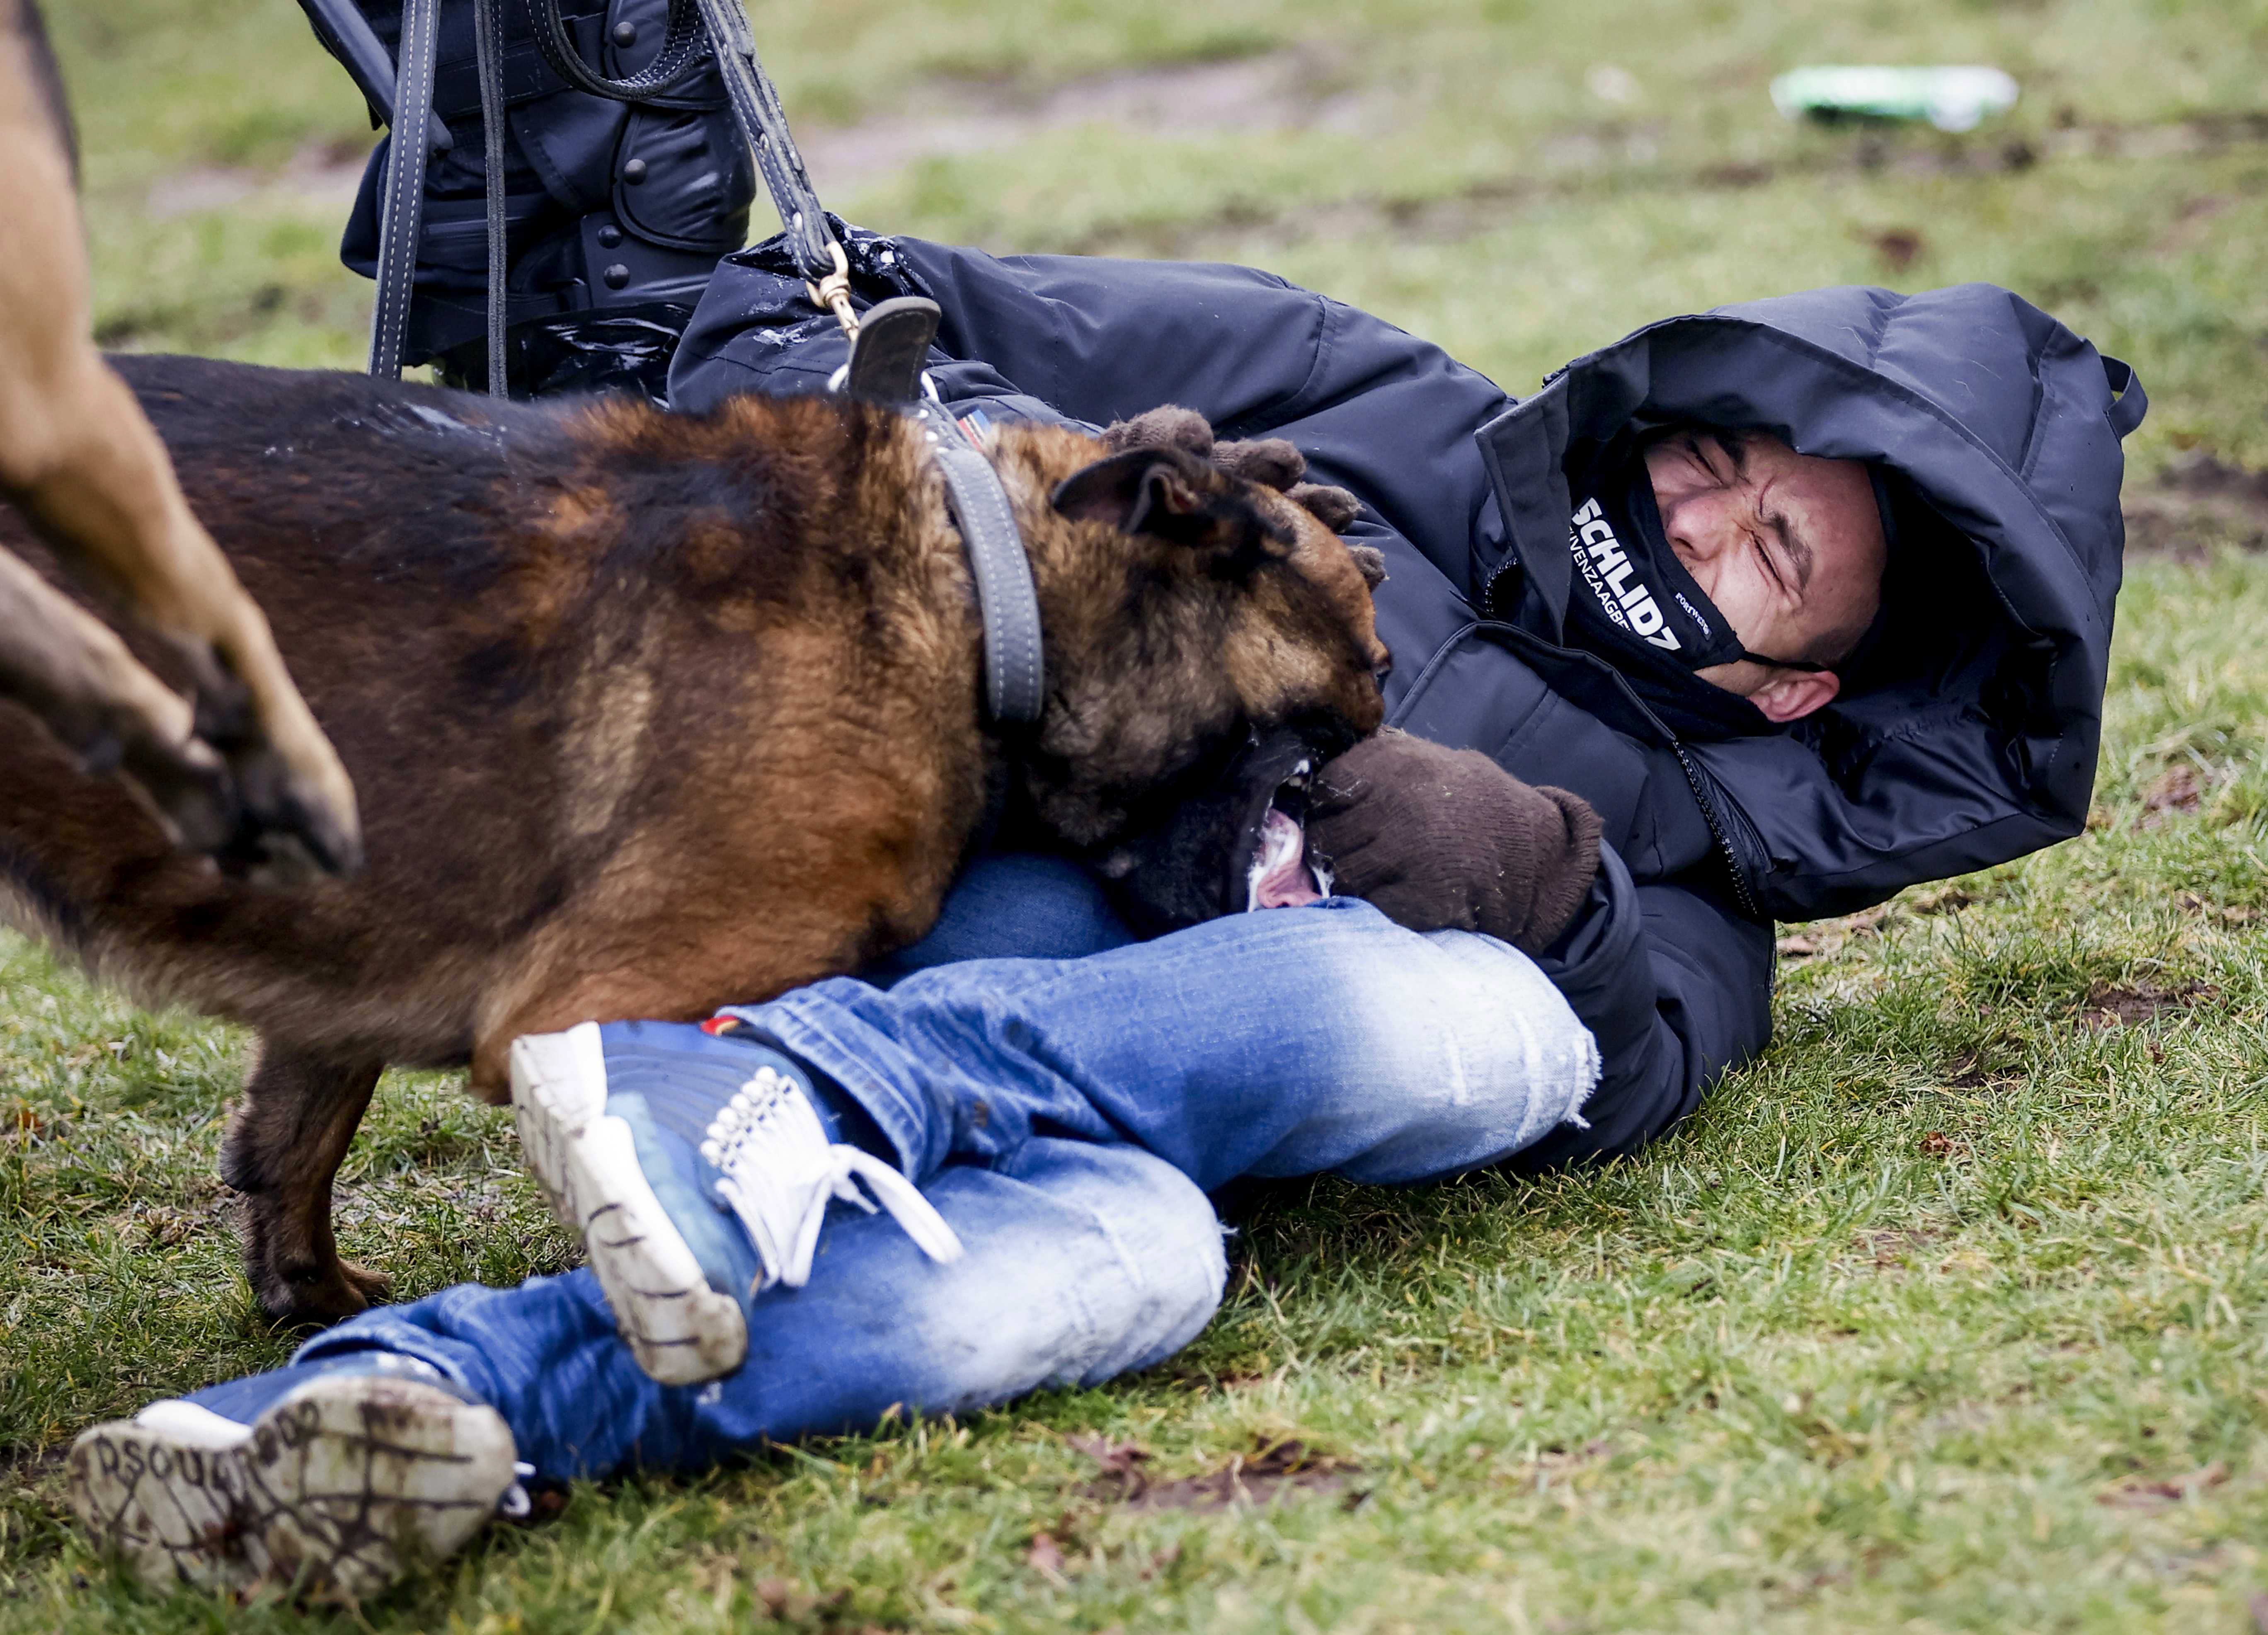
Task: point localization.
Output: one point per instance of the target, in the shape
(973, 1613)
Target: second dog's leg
(285, 1140)
(84, 463)
(71, 671)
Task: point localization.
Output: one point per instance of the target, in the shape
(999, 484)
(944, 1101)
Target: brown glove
(1439, 838)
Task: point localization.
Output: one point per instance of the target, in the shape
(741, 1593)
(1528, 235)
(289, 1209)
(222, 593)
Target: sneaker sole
(339, 1490)
(681, 1330)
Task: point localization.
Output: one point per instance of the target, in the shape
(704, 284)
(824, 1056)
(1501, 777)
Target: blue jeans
(1066, 1113)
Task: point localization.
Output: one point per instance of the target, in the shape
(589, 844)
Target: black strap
(402, 213)
(487, 55)
(2132, 403)
(763, 125)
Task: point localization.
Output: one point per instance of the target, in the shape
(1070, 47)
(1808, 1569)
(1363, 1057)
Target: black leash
(488, 57)
(402, 213)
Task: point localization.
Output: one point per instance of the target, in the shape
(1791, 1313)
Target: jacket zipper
(1717, 828)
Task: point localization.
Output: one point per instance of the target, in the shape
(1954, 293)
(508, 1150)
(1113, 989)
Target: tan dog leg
(79, 457)
(286, 1138)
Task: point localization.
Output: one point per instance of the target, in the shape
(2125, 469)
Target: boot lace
(779, 1172)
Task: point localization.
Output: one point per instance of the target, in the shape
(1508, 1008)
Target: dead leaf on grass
(2123, 1005)
(1045, 1557)
(1937, 1144)
(2173, 1490)
(2227, 914)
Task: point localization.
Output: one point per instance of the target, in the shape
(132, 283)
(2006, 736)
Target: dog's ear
(1171, 494)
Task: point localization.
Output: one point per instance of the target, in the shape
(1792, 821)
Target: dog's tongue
(1280, 876)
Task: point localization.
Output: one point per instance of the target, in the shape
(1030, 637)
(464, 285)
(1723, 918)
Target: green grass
(1950, 1314)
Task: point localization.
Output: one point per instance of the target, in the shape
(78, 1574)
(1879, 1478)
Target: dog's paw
(317, 1299)
(1171, 426)
(1272, 462)
(1335, 508)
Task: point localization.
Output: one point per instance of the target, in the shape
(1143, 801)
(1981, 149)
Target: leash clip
(832, 293)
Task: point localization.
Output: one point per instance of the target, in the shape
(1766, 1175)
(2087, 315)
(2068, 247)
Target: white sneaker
(698, 1173)
(336, 1490)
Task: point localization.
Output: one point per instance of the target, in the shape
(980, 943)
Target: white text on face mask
(1608, 571)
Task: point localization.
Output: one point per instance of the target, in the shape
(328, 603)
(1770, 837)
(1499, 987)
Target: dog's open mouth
(1236, 843)
(1279, 875)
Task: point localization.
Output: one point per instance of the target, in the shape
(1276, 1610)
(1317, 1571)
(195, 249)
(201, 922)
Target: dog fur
(246, 774)
(661, 712)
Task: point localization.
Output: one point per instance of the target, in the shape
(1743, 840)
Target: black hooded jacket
(1967, 737)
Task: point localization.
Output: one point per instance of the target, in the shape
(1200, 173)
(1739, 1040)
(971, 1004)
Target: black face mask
(1633, 588)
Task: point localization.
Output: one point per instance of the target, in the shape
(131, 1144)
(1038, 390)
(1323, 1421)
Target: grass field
(1950, 1314)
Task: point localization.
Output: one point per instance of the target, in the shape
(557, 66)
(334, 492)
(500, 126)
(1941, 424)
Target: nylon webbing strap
(488, 54)
(402, 212)
(763, 124)
(2132, 403)
(1015, 677)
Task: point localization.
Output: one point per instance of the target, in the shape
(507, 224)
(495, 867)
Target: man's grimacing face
(1788, 546)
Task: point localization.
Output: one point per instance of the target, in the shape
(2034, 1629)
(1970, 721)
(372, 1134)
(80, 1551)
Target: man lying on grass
(1789, 605)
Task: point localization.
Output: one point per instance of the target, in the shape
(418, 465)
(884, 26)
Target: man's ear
(1791, 695)
(1171, 494)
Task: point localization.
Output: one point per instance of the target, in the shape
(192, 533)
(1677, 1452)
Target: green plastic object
(1951, 98)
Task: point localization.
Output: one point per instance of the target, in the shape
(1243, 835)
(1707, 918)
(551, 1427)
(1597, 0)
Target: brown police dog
(652, 714)
(245, 774)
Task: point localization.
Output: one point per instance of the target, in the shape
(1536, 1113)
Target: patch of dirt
(1554, 1462)
(2199, 502)
(2158, 1495)
(27, 1467)
(321, 176)
(1897, 247)
(1486, 205)
(1279, 91)
(2232, 914)
(2124, 1004)
(1895, 1246)
(1276, 1468)
(2179, 790)
(1830, 936)
(2191, 224)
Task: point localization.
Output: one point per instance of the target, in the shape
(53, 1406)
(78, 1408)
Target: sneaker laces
(779, 1172)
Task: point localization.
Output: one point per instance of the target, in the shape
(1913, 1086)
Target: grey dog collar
(1015, 679)
(886, 354)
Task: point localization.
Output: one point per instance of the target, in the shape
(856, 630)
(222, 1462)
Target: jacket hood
(1969, 736)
